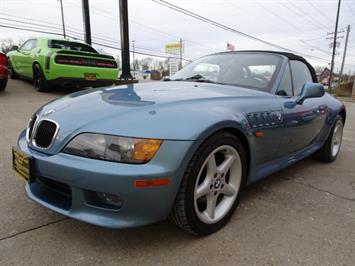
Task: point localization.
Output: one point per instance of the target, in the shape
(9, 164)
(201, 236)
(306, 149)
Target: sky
(299, 25)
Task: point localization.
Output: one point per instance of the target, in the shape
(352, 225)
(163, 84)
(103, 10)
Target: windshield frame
(272, 83)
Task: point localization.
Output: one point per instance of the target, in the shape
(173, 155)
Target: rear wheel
(209, 191)
(12, 72)
(39, 79)
(330, 150)
(3, 83)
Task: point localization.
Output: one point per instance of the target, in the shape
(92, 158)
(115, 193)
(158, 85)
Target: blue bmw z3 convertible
(183, 148)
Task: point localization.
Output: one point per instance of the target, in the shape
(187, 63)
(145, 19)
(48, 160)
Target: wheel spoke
(228, 190)
(227, 163)
(211, 165)
(211, 206)
(203, 189)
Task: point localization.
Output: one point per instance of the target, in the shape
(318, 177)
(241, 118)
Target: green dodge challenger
(51, 62)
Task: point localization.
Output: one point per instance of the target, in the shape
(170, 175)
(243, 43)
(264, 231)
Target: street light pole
(61, 9)
(180, 54)
(334, 47)
(134, 58)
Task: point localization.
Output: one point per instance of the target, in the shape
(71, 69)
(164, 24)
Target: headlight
(113, 148)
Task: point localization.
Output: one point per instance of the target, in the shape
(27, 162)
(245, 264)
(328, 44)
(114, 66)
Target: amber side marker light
(259, 134)
(152, 182)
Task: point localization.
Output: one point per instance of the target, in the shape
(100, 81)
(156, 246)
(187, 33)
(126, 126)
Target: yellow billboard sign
(173, 48)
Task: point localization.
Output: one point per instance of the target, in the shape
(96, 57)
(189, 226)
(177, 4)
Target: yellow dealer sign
(172, 48)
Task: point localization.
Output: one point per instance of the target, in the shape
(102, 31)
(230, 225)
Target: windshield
(75, 46)
(255, 71)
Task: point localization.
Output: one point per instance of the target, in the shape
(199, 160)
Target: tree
(146, 63)
(6, 45)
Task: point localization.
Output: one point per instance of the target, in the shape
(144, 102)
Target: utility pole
(180, 57)
(334, 47)
(344, 54)
(134, 58)
(86, 20)
(61, 9)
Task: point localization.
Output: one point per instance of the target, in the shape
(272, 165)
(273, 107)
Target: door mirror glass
(14, 48)
(310, 90)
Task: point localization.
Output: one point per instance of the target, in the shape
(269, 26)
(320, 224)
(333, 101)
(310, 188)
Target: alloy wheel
(337, 138)
(217, 184)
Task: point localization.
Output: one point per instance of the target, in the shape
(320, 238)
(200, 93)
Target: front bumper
(140, 206)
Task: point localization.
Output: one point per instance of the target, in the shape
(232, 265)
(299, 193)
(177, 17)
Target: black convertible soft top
(290, 56)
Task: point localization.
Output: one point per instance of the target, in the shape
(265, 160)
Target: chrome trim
(34, 132)
(28, 138)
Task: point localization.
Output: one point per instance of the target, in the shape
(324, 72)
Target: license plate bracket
(22, 164)
(90, 76)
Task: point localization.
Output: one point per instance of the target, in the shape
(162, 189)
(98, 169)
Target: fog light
(104, 200)
(109, 199)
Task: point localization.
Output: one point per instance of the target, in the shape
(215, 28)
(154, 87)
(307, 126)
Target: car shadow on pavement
(56, 90)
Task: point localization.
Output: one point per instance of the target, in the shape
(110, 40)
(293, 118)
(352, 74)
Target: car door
(28, 58)
(23, 58)
(302, 122)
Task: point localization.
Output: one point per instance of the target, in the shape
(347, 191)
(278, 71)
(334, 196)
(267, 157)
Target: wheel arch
(342, 113)
(233, 128)
(36, 62)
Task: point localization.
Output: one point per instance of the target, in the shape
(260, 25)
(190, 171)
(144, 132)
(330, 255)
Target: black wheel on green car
(12, 72)
(39, 79)
(210, 189)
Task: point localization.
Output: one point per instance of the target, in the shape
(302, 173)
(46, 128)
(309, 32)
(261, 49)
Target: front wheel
(39, 79)
(12, 72)
(330, 150)
(209, 191)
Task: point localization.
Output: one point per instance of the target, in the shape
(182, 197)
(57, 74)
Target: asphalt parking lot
(302, 215)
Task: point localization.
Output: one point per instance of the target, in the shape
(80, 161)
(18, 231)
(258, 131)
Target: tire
(12, 72)
(330, 150)
(39, 80)
(190, 211)
(3, 84)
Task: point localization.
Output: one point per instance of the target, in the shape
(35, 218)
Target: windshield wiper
(195, 78)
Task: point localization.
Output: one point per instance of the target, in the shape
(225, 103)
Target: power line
(300, 13)
(36, 20)
(227, 28)
(152, 29)
(276, 15)
(96, 43)
(319, 10)
(316, 47)
(74, 34)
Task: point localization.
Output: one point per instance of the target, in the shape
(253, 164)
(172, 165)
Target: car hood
(141, 110)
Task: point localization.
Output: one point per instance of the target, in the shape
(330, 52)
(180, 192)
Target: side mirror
(311, 90)
(14, 48)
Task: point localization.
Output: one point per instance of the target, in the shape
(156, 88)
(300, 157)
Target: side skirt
(276, 165)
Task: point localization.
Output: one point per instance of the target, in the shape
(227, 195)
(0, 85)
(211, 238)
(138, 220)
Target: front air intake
(45, 133)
